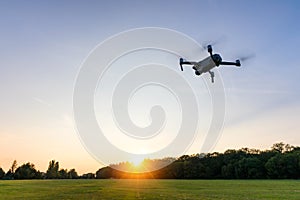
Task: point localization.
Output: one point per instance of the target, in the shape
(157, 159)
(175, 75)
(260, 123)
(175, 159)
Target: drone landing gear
(212, 75)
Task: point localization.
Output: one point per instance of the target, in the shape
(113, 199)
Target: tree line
(28, 171)
(281, 162)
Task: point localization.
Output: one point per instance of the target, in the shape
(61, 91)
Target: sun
(137, 161)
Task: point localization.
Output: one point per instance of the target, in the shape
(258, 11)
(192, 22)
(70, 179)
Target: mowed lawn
(150, 189)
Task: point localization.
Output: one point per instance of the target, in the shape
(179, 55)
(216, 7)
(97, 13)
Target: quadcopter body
(207, 64)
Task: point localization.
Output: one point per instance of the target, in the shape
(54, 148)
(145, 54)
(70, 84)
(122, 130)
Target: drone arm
(184, 62)
(236, 63)
(227, 63)
(188, 63)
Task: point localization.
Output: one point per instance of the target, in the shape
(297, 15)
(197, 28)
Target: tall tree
(52, 171)
(14, 166)
(10, 173)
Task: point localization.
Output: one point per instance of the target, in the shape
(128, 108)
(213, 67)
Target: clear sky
(43, 44)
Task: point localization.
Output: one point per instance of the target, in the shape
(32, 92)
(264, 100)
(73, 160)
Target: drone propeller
(214, 42)
(247, 57)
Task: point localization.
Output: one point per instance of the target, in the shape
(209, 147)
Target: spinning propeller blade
(247, 57)
(214, 42)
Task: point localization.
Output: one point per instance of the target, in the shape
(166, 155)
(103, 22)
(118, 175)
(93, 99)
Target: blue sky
(43, 44)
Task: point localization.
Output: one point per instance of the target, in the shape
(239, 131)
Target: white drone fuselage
(204, 65)
(208, 63)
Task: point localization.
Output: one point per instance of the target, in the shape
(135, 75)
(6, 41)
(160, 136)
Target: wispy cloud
(41, 101)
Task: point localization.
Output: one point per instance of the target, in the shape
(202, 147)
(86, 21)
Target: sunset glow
(44, 45)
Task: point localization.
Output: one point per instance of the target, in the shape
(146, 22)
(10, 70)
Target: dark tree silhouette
(27, 171)
(10, 173)
(63, 174)
(52, 172)
(279, 147)
(88, 176)
(282, 161)
(72, 174)
(2, 173)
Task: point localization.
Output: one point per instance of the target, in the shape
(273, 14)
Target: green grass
(150, 189)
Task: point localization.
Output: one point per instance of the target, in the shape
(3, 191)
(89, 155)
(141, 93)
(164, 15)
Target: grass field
(150, 189)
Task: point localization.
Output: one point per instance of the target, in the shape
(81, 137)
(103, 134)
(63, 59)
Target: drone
(207, 64)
